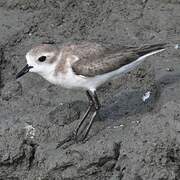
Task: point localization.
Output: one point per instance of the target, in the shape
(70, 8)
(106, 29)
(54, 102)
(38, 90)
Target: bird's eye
(42, 58)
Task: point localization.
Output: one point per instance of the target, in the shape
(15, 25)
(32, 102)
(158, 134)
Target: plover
(86, 66)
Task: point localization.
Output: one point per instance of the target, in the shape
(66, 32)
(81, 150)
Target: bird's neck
(51, 77)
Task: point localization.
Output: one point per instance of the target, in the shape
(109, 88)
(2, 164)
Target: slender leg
(91, 103)
(90, 124)
(96, 101)
(97, 107)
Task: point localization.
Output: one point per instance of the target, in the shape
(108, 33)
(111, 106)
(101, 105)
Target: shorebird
(86, 66)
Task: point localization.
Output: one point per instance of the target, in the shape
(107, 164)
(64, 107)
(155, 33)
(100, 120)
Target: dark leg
(89, 125)
(97, 107)
(96, 101)
(91, 103)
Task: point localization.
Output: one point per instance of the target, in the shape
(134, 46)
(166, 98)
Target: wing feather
(111, 60)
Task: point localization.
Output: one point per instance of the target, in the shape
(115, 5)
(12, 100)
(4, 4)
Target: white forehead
(30, 59)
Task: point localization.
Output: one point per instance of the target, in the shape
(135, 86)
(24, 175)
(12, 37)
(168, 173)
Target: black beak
(23, 71)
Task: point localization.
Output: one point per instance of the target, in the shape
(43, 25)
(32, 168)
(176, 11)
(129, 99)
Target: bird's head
(41, 59)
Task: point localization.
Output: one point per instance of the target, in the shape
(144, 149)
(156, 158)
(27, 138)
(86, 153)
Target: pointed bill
(23, 71)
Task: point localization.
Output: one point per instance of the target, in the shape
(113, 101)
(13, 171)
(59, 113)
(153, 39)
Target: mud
(131, 139)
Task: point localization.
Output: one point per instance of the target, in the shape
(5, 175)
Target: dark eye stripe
(42, 58)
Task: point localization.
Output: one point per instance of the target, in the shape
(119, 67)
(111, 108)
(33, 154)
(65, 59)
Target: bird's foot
(64, 142)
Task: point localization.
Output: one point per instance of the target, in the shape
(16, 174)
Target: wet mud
(131, 139)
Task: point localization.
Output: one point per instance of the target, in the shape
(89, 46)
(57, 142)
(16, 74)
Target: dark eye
(42, 58)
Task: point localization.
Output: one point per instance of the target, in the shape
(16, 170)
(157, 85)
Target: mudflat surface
(133, 139)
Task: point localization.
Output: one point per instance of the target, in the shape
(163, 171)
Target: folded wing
(111, 60)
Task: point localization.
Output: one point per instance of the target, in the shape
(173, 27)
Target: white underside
(73, 81)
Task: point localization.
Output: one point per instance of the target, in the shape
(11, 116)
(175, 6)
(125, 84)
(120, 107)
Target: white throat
(48, 73)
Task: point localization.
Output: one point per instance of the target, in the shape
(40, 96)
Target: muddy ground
(132, 139)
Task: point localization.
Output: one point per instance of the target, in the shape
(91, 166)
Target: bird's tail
(156, 48)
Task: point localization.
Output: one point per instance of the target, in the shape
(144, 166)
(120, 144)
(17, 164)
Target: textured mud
(132, 139)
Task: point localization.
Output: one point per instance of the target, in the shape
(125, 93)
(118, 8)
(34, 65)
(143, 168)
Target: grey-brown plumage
(109, 60)
(87, 59)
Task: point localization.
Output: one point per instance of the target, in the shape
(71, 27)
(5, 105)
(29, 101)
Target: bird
(86, 66)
